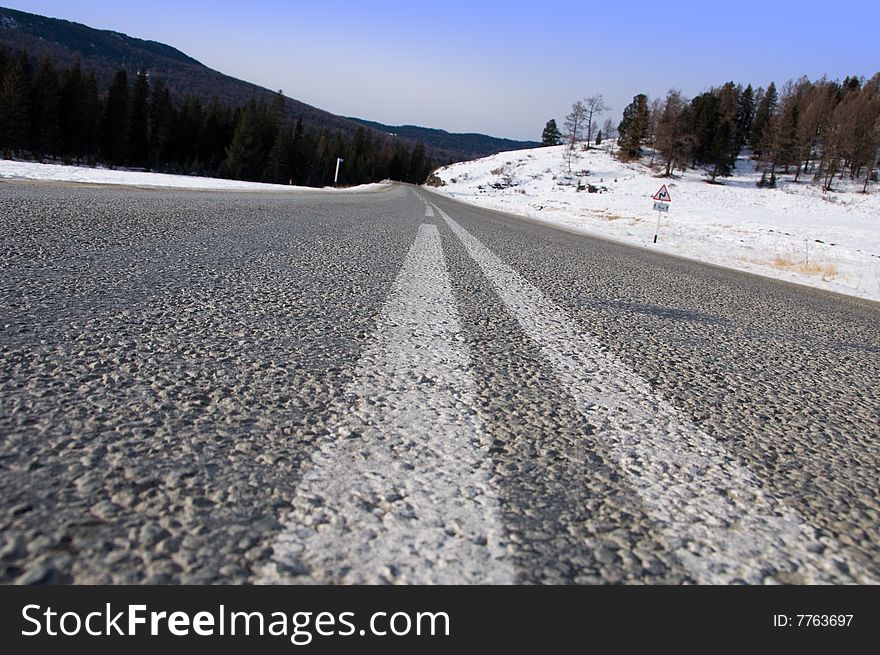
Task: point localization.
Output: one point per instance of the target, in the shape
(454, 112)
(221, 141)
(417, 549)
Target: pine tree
(88, 110)
(279, 163)
(188, 135)
(215, 130)
(745, 116)
(137, 140)
(763, 114)
(785, 146)
(14, 120)
(72, 85)
(673, 139)
(719, 152)
(115, 126)
(161, 119)
(551, 135)
(417, 171)
(397, 167)
(44, 118)
(728, 106)
(244, 156)
(633, 127)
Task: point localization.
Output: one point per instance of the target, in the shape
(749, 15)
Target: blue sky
(500, 68)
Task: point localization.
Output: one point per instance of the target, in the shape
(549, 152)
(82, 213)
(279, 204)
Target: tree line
(824, 130)
(63, 115)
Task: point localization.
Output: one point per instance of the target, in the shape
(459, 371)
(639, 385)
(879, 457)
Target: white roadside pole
(339, 160)
(661, 205)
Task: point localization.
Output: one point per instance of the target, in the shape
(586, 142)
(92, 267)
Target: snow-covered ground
(795, 232)
(58, 173)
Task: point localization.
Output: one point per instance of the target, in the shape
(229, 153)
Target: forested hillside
(104, 52)
(810, 130)
(67, 114)
(451, 145)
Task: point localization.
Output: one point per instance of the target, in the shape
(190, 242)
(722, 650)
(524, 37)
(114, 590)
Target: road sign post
(661, 205)
(339, 160)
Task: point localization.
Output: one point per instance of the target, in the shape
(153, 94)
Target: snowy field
(794, 232)
(57, 173)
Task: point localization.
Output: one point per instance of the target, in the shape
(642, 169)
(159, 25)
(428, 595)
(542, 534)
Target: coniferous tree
(161, 119)
(88, 115)
(551, 136)
(728, 105)
(14, 119)
(397, 167)
(785, 143)
(633, 127)
(279, 163)
(673, 131)
(763, 114)
(719, 152)
(245, 154)
(44, 103)
(114, 128)
(215, 129)
(745, 116)
(706, 119)
(69, 119)
(417, 167)
(187, 136)
(137, 137)
(300, 154)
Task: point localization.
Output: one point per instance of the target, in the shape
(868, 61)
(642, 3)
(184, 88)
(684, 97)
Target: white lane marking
(718, 521)
(401, 490)
(429, 211)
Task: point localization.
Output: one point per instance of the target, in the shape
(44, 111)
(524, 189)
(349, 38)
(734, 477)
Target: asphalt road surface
(394, 387)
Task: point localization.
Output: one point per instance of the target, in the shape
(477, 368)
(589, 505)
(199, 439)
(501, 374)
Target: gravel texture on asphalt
(171, 361)
(784, 376)
(167, 360)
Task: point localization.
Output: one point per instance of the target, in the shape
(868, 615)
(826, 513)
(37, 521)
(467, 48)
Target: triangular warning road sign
(662, 194)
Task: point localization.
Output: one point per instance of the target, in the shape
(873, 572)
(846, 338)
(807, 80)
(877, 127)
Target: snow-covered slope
(794, 232)
(57, 173)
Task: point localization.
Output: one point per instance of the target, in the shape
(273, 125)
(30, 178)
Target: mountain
(104, 52)
(458, 146)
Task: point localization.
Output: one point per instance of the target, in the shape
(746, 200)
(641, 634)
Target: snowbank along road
(394, 387)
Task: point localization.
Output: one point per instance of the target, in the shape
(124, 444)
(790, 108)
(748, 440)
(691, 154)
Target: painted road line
(717, 519)
(429, 211)
(401, 489)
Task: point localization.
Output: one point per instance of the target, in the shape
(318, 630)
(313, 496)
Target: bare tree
(653, 119)
(574, 125)
(673, 139)
(609, 132)
(876, 144)
(593, 105)
(819, 100)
